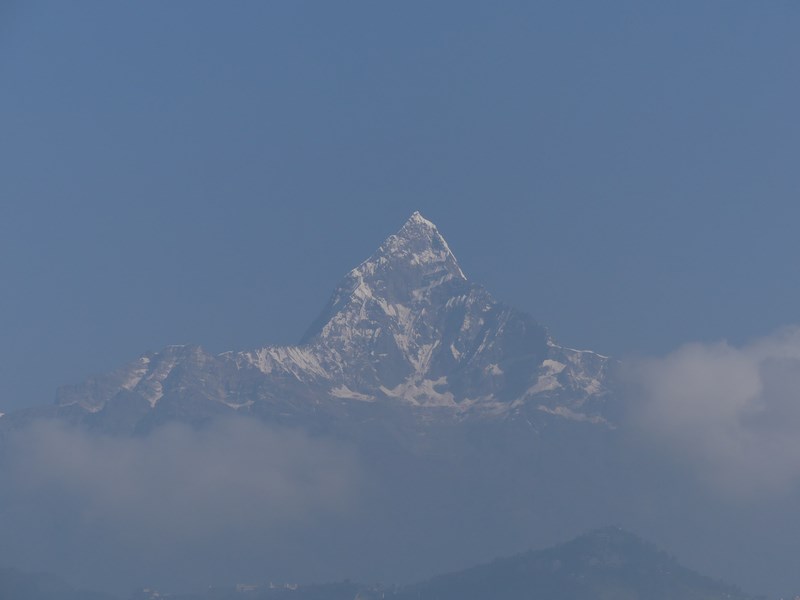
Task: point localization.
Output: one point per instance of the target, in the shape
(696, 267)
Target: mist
(183, 506)
(704, 460)
(240, 501)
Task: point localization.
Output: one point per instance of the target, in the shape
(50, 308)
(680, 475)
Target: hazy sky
(206, 172)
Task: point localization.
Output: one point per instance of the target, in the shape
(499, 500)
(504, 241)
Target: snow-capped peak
(404, 272)
(403, 326)
(418, 233)
(417, 218)
(417, 246)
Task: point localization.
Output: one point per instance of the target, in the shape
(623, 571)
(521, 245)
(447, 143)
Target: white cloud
(733, 413)
(179, 498)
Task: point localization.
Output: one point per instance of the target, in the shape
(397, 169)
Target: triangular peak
(418, 242)
(407, 268)
(417, 220)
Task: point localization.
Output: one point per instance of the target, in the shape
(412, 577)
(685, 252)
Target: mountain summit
(408, 267)
(406, 324)
(405, 329)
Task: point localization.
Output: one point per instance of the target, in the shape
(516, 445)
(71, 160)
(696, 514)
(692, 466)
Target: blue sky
(197, 172)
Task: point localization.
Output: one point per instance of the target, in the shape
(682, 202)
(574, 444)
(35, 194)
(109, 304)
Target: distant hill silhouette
(607, 564)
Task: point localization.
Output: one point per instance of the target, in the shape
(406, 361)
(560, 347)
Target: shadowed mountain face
(404, 330)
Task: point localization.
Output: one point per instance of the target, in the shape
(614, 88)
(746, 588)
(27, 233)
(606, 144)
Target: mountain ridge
(405, 327)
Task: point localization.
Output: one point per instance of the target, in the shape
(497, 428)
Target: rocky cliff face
(405, 329)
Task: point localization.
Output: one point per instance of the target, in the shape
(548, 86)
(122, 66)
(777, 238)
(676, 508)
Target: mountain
(606, 564)
(405, 330)
(418, 426)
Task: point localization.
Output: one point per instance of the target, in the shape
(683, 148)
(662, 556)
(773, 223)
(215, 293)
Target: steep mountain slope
(405, 328)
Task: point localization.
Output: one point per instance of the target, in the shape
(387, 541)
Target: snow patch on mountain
(343, 391)
(422, 392)
(300, 362)
(571, 415)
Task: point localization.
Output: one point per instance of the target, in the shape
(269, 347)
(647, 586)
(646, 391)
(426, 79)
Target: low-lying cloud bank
(240, 499)
(733, 413)
(70, 494)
